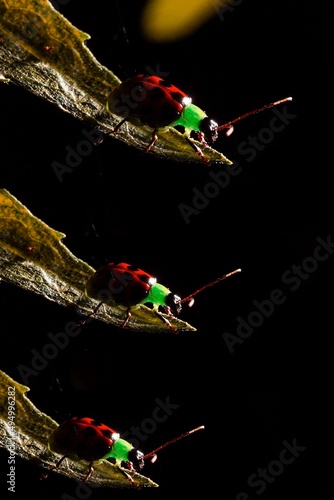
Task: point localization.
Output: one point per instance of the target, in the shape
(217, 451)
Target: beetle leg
(85, 319)
(165, 320)
(58, 464)
(118, 126)
(128, 316)
(197, 149)
(90, 472)
(152, 141)
(128, 477)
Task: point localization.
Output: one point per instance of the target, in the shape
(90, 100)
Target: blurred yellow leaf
(169, 20)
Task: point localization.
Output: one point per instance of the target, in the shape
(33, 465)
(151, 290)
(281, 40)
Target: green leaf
(33, 257)
(43, 52)
(24, 431)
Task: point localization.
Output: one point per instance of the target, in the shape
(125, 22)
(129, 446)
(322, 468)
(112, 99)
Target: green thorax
(120, 451)
(191, 118)
(157, 295)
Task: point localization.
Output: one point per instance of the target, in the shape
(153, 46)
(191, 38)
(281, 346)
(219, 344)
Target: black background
(277, 384)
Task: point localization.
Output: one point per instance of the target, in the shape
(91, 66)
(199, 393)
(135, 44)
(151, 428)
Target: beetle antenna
(190, 297)
(153, 453)
(229, 125)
